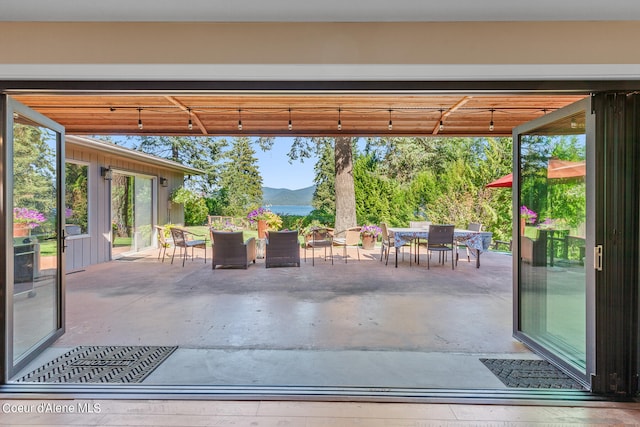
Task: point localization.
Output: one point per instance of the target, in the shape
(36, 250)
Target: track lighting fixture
(339, 119)
(491, 122)
(140, 118)
(190, 125)
(574, 124)
(390, 121)
(441, 127)
(239, 119)
(290, 124)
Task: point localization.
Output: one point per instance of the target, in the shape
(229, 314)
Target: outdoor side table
(260, 247)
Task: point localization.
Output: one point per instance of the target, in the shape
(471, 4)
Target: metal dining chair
(441, 241)
(183, 239)
(320, 237)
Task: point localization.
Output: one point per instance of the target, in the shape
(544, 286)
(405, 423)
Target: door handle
(597, 257)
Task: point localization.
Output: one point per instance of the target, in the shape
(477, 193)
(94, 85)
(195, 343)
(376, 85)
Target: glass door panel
(554, 281)
(131, 213)
(36, 310)
(143, 212)
(122, 220)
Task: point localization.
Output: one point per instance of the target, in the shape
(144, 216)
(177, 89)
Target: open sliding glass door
(554, 276)
(33, 154)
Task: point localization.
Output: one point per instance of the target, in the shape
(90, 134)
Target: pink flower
(28, 216)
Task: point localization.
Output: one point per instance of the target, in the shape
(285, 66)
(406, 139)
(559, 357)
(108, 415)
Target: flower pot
(21, 230)
(262, 228)
(522, 225)
(368, 241)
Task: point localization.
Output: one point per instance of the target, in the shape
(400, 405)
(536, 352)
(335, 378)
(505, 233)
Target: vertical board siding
(96, 248)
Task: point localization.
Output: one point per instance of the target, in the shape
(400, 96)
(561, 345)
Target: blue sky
(276, 170)
(274, 166)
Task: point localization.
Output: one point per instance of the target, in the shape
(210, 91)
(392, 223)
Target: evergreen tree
(324, 196)
(202, 153)
(34, 167)
(241, 178)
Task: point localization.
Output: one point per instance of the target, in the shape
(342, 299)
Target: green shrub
(195, 207)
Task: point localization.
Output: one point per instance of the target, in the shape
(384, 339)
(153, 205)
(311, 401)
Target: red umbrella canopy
(505, 181)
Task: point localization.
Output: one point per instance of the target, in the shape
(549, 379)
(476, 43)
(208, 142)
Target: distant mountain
(284, 196)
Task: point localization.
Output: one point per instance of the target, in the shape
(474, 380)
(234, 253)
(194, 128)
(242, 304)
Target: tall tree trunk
(344, 188)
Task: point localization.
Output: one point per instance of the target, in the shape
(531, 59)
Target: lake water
(291, 209)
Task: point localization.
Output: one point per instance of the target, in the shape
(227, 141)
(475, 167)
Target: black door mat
(101, 364)
(530, 374)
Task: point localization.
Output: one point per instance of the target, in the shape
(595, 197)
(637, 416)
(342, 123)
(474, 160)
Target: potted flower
(527, 216)
(25, 219)
(266, 220)
(369, 234)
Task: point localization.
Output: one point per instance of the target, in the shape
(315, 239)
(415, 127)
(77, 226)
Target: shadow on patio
(355, 324)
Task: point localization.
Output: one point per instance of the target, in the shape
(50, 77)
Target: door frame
(590, 275)
(10, 107)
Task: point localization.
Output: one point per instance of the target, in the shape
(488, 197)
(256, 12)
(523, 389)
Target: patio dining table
(477, 241)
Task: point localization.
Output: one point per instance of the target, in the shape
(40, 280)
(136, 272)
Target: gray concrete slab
(363, 317)
(357, 368)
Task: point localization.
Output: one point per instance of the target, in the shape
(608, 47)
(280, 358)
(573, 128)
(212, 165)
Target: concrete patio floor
(362, 323)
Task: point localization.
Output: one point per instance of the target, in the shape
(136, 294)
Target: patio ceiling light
(439, 126)
(491, 122)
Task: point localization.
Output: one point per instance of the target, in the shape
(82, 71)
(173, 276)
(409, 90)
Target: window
(76, 198)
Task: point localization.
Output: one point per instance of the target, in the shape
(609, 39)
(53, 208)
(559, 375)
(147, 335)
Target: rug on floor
(101, 364)
(530, 374)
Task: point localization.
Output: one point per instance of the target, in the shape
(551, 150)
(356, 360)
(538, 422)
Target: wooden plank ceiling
(265, 114)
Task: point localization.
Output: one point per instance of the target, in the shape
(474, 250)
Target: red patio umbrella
(505, 181)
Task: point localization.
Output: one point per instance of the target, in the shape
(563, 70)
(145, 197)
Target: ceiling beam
(449, 111)
(195, 117)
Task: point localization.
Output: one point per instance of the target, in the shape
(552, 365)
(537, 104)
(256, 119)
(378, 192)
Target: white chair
(419, 242)
(473, 226)
(351, 239)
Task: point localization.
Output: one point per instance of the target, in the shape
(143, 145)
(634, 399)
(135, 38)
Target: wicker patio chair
(282, 249)
(229, 249)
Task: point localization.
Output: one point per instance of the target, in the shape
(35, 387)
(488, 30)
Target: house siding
(95, 247)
